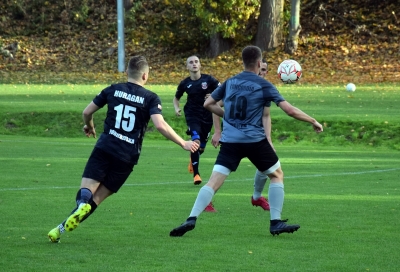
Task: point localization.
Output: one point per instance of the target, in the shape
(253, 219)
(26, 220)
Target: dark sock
(274, 222)
(94, 207)
(195, 157)
(84, 195)
(63, 223)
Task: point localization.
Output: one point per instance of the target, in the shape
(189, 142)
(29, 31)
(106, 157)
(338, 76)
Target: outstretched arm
(213, 106)
(87, 115)
(300, 115)
(170, 134)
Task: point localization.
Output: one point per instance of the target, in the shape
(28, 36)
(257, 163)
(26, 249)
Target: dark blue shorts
(107, 169)
(199, 131)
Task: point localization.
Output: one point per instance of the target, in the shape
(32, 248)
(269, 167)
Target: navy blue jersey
(129, 109)
(196, 92)
(245, 96)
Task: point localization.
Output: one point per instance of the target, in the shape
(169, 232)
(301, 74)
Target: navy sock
(93, 206)
(84, 195)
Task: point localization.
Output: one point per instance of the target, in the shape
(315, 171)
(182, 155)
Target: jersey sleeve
(219, 92)
(271, 94)
(180, 91)
(214, 83)
(101, 99)
(155, 105)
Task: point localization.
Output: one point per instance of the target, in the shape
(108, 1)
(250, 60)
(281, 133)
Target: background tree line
(211, 26)
(333, 40)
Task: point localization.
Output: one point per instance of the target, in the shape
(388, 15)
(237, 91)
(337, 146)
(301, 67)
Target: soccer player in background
(247, 98)
(130, 107)
(199, 120)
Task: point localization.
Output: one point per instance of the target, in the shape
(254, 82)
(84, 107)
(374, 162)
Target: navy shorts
(260, 154)
(107, 169)
(199, 131)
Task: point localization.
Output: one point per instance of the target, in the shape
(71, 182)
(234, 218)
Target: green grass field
(344, 194)
(368, 116)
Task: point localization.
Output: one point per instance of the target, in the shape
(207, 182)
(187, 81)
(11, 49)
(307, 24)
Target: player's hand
(215, 139)
(191, 146)
(89, 131)
(178, 112)
(272, 146)
(317, 127)
(207, 95)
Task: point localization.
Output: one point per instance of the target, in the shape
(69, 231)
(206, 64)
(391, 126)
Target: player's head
(138, 69)
(263, 69)
(251, 56)
(193, 64)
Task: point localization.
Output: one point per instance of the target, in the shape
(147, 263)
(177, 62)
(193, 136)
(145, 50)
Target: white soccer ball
(351, 87)
(289, 71)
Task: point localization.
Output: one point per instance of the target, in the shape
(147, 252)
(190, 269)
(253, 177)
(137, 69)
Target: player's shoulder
(114, 87)
(184, 81)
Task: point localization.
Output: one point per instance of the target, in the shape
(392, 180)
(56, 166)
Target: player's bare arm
(213, 106)
(300, 115)
(87, 115)
(165, 129)
(217, 128)
(175, 101)
(266, 121)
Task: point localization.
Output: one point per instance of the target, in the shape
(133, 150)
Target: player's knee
(276, 175)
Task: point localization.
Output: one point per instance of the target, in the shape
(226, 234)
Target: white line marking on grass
(183, 182)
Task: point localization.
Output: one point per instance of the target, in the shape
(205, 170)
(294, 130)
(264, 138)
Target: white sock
(259, 182)
(204, 197)
(61, 228)
(276, 195)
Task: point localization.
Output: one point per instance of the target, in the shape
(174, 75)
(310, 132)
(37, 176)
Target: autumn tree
(270, 22)
(291, 43)
(223, 21)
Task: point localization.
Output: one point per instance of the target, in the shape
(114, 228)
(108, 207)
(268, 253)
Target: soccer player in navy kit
(199, 120)
(247, 98)
(130, 107)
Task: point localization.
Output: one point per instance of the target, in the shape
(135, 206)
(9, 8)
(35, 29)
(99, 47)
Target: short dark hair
(251, 55)
(137, 65)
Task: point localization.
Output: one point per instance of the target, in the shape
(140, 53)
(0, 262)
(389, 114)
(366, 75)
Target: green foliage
(184, 25)
(165, 23)
(82, 12)
(230, 18)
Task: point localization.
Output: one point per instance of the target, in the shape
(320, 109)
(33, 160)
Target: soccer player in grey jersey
(130, 107)
(247, 98)
(260, 179)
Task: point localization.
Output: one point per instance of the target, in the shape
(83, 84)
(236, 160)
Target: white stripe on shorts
(272, 168)
(222, 169)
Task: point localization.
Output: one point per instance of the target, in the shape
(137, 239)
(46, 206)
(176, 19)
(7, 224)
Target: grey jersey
(245, 96)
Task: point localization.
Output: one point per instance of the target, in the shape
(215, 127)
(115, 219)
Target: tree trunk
(218, 45)
(269, 29)
(128, 4)
(292, 40)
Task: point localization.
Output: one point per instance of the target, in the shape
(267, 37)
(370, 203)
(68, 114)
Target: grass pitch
(345, 199)
(341, 186)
